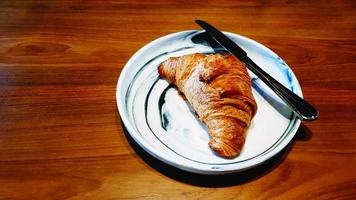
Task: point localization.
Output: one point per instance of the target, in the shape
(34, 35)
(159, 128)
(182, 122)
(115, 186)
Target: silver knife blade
(301, 108)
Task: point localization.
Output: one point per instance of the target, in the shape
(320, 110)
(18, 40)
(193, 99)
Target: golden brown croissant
(218, 87)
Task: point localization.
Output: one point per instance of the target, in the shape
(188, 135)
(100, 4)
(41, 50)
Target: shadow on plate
(271, 98)
(303, 134)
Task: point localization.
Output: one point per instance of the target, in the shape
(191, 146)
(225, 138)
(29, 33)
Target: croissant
(218, 88)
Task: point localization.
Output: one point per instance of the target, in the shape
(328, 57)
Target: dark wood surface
(60, 132)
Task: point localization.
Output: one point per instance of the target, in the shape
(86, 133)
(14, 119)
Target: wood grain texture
(60, 132)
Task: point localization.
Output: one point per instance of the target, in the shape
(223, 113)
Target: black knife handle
(301, 108)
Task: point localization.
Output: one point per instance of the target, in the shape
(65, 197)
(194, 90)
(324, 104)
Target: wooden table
(60, 132)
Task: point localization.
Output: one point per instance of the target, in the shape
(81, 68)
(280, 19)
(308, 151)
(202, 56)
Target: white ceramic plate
(165, 126)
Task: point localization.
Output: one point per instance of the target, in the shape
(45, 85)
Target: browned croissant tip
(160, 70)
(223, 149)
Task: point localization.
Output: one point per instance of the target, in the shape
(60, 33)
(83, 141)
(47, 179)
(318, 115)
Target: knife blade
(303, 109)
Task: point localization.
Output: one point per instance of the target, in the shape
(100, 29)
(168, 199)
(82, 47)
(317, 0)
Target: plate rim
(199, 168)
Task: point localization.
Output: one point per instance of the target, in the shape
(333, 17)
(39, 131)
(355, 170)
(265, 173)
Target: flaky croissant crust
(218, 87)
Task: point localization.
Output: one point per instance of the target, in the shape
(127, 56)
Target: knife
(303, 109)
